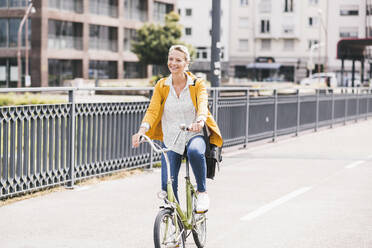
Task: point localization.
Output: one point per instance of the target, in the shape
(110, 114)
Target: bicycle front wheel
(166, 232)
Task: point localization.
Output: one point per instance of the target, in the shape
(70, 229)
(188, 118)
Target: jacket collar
(189, 82)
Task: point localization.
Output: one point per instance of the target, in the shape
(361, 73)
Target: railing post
(71, 99)
(333, 108)
(275, 113)
(357, 105)
(367, 107)
(317, 110)
(151, 157)
(215, 104)
(247, 121)
(346, 103)
(298, 112)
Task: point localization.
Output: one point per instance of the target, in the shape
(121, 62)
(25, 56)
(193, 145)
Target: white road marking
(352, 165)
(262, 210)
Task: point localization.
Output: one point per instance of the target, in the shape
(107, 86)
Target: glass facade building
(69, 40)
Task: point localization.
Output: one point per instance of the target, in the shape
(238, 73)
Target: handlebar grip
(183, 127)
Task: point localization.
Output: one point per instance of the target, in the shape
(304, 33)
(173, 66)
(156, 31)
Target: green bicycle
(173, 225)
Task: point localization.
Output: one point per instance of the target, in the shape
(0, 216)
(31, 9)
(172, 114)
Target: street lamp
(30, 9)
(321, 25)
(310, 65)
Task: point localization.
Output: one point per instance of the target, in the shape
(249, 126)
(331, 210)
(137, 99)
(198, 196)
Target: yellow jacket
(199, 98)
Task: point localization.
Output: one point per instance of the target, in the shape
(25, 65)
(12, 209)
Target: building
(76, 38)
(299, 36)
(349, 19)
(196, 18)
(276, 31)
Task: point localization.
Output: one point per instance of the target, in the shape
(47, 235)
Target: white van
(321, 80)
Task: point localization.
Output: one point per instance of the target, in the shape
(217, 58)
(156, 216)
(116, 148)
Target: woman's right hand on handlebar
(136, 137)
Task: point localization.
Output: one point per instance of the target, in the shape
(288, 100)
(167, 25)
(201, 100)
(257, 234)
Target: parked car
(320, 80)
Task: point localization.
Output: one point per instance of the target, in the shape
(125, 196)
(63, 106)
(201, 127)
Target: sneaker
(202, 203)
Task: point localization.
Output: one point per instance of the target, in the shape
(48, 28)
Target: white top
(177, 111)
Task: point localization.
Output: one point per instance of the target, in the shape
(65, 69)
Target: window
(288, 5)
(188, 12)
(369, 9)
(66, 5)
(288, 44)
(243, 3)
(12, 3)
(243, 44)
(188, 31)
(313, 2)
(310, 43)
(202, 53)
(102, 69)
(102, 38)
(288, 29)
(313, 21)
(106, 8)
(134, 70)
(62, 35)
(60, 70)
(265, 26)
(349, 32)
(136, 10)
(130, 35)
(9, 32)
(349, 10)
(3, 32)
(265, 44)
(243, 22)
(160, 10)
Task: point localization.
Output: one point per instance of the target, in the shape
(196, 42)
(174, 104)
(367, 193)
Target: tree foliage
(154, 40)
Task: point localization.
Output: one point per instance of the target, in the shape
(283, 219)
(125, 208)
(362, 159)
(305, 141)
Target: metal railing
(54, 144)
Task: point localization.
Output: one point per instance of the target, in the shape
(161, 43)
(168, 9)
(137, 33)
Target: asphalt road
(310, 191)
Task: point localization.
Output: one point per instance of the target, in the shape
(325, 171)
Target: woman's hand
(136, 137)
(196, 126)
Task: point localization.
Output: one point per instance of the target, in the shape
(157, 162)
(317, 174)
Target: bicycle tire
(160, 241)
(199, 229)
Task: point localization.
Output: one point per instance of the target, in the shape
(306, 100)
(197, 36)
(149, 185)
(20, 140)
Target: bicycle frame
(185, 216)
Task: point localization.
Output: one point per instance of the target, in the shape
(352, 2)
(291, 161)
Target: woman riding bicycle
(178, 99)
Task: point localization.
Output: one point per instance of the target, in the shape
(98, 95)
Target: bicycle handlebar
(144, 138)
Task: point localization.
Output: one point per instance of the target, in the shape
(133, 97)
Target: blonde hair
(181, 49)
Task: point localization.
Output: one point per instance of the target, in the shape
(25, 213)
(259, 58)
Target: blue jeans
(195, 154)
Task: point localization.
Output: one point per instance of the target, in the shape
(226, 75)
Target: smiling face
(176, 62)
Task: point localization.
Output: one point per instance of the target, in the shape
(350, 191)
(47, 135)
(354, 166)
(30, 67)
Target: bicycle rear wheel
(166, 233)
(199, 229)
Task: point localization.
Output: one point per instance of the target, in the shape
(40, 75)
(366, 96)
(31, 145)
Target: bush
(12, 99)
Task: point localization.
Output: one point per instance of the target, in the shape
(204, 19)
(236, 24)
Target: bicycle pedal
(201, 212)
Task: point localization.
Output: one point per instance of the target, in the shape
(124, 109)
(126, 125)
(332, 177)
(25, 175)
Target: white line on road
(262, 210)
(352, 165)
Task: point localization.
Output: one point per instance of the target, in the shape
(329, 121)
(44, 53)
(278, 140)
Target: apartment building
(348, 19)
(76, 38)
(276, 31)
(196, 18)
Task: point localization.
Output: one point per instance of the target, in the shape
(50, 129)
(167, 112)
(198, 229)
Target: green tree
(154, 40)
